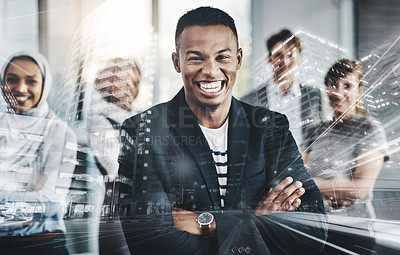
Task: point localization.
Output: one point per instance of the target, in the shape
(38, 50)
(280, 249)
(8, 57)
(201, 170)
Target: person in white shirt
(301, 104)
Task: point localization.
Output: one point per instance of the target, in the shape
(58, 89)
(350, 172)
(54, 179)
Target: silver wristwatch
(205, 220)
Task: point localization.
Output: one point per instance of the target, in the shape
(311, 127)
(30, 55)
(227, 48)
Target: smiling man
(212, 174)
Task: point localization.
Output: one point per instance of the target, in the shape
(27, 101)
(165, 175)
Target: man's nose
(286, 61)
(210, 68)
(340, 89)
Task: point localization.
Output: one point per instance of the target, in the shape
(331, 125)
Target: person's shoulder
(58, 125)
(310, 90)
(313, 131)
(155, 110)
(368, 125)
(262, 116)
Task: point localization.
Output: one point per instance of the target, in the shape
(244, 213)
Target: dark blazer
(167, 156)
(311, 105)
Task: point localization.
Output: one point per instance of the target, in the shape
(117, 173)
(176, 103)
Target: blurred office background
(364, 29)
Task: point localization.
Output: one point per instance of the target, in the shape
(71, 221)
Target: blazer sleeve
(150, 230)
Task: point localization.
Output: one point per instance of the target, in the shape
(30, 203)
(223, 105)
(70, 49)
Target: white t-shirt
(218, 141)
(290, 105)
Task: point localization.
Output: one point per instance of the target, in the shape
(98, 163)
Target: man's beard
(209, 107)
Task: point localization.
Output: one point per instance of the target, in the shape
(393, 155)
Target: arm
(284, 197)
(344, 190)
(271, 233)
(152, 231)
(104, 141)
(309, 218)
(57, 156)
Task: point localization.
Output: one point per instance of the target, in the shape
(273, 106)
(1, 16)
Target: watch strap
(205, 230)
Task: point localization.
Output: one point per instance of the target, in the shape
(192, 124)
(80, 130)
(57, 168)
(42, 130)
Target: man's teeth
(210, 86)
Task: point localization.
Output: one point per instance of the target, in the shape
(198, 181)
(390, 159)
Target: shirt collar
(294, 90)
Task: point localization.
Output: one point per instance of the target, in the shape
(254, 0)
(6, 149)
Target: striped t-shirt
(218, 141)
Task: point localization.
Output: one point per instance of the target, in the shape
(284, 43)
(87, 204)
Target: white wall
(18, 27)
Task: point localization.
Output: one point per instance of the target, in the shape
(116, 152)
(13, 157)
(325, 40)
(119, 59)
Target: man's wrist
(213, 227)
(206, 224)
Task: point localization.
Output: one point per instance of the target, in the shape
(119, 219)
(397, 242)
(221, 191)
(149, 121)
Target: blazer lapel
(183, 122)
(238, 139)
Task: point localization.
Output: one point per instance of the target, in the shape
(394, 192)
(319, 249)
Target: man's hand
(284, 197)
(186, 221)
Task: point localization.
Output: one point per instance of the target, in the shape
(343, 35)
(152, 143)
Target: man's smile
(210, 88)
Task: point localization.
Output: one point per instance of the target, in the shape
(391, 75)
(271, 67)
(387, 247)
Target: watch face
(205, 218)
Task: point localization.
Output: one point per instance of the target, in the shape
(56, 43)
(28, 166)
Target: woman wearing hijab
(36, 157)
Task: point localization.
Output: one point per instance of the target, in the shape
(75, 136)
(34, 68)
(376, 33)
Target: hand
(186, 221)
(337, 203)
(284, 197)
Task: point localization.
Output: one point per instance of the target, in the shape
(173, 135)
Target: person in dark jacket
(210, 174)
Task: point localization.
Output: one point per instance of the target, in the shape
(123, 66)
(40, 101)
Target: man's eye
(195, 59)
(222, 57)
(333, 85)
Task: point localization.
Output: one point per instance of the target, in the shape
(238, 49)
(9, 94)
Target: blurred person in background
(36, 150)
(345, 155)
(116, 88)
(300, 103)
(108, 78)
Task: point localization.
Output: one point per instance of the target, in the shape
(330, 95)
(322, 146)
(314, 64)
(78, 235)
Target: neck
(286, 88)
(348, 115)
(212, 118)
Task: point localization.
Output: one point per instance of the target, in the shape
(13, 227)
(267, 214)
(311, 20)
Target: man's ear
(239, 58)
(175, 61)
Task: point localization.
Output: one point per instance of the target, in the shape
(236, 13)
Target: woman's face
(23, 84)
(343, 95)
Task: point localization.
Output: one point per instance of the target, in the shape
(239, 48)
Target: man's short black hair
(204, 16)
(282, 36)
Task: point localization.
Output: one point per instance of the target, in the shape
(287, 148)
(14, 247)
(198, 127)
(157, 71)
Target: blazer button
(234, 249)
(241, 249)
(247, 250)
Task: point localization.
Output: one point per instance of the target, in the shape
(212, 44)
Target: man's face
(208, 59)
(285, 59)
